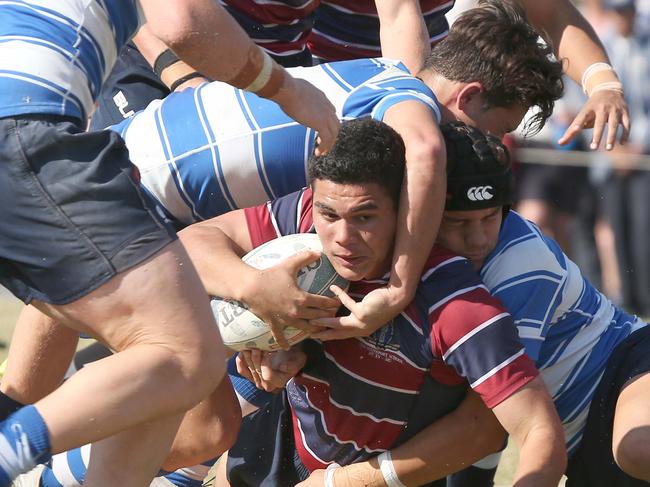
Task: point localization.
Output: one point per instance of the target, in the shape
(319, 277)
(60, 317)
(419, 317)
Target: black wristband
(183, 79)
(164, 60)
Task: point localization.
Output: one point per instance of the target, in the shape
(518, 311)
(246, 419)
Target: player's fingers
(578, 123)
(242, 367)
(251, 367)
(308, 314)
(625, 122)
(300, 259)
(345, 299)
(327, 135)
(256, 357)
(321, 302)
(335, 323)
(291, 362)
(569, 134)
(613, 122)
(276, 380)
(332, 334)
(599, 128)
(278, 334)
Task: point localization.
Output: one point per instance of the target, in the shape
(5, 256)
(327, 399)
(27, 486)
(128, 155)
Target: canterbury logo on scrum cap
(480, 193)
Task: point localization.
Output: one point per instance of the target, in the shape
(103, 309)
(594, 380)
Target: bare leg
(207, 430)
(40, 353)
(631, 438)
(108, 457)
(170, 356)
(220, 477)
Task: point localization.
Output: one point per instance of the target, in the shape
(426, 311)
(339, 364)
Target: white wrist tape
(388, 470)
(591, 70)
(607, 85)
(329, 474)
(263, 76)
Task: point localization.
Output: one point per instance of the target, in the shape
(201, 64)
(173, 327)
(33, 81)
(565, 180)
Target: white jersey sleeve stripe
(474, 331)
(496, 369)
(172, 164)
(214, 149)
(337, 78)
(255, 128)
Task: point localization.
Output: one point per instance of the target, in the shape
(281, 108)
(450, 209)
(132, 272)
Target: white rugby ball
(240, 328)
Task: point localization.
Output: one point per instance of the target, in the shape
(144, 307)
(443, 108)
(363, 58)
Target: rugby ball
(240, 328)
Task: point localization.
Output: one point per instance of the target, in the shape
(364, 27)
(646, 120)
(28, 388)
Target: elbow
(178, 26)
(427, 156)
(632, 453)
(489, 440)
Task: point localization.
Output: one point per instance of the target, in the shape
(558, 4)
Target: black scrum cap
(478, 169)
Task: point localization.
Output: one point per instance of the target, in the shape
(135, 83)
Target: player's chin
(351, 272)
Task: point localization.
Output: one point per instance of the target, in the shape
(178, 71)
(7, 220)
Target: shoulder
(283, 216)
(522, 249)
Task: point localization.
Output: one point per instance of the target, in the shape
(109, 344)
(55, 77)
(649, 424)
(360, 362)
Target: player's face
(356, 224)
(472, 234)
(496, 121)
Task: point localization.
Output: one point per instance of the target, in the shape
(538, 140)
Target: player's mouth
(349, 261)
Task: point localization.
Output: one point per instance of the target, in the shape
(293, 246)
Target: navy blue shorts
(593, 465)
(130, 87)
(265, 454)
(72, 214)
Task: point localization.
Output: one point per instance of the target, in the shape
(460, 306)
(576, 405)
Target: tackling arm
(448, 445)
(202, 33)
(538, 434)
(403, 33)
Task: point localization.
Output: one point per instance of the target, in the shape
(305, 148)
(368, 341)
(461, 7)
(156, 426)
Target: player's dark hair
(365, 151)
(495, 45)
(478, 169)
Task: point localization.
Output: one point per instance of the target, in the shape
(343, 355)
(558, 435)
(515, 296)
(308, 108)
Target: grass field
(9, 309)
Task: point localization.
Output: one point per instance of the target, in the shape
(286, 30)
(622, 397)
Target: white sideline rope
(555, 157)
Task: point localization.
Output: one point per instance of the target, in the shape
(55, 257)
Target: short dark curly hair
(495, 45)
(365, 151)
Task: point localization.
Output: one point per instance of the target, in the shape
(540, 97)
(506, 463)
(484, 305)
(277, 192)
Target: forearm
(537, 433)
(174, 71)
(206, 37)
(542, 459)
(572, 37)
(421, 206)
(217, 258)
(448, 445)
(403, 33)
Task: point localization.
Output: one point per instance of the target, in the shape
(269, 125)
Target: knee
(632, 454)
(203, 437)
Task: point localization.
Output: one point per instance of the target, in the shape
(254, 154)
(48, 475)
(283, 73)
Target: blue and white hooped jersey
(205, 151)
(55, 55)
(569, 329)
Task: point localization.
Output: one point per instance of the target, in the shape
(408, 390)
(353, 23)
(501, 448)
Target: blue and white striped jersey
(207, 151)
(568, 327)
(55, 55)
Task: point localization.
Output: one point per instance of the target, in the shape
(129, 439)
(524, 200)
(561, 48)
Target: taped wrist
(260, 74)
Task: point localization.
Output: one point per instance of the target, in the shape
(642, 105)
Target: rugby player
(358, 397)
(593, 356)
(77, 242)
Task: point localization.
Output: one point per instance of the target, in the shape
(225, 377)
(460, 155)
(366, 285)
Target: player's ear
(469, 95)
